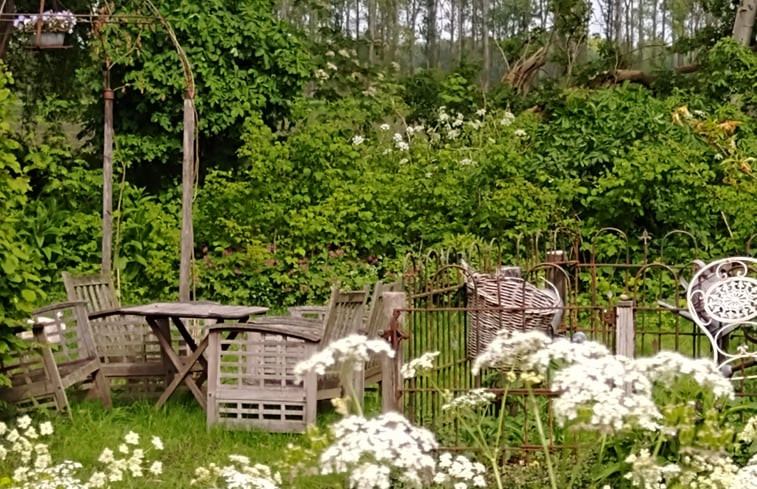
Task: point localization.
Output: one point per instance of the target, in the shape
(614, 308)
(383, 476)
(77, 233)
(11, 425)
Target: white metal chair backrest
(721, 297)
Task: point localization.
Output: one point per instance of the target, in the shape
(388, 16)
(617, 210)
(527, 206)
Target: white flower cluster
(357, 140)
(351, 352)
(399, 142)
(62, 21)
(375, 453)
(646, 474)
(668, 367)
(35, 470)
(616, 394)
(746, 477)
(459, 472)
(707, 470)
(749, 433)
(560, 353)
(508, 349)
(421, 364)
(133, 464)
(507, 119)
(239, 475)
(473, 399)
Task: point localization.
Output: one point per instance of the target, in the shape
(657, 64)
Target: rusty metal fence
(600, 286)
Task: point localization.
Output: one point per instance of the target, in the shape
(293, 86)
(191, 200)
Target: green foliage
(243, 60)
(19, 282)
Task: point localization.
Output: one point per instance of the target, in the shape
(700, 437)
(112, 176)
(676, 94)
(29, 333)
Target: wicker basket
(512, 304)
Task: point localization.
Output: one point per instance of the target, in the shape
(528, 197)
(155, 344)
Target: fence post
(555, 276)
(624, 328)
(390, 378)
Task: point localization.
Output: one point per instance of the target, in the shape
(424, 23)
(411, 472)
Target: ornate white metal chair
(722, 298)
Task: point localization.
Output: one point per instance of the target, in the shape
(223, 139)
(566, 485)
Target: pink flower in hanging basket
(61, 21)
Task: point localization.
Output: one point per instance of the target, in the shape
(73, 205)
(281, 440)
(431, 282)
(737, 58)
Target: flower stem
(540, 429)
(602, 448)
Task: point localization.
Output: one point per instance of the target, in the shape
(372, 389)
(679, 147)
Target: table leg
(166, 348)
(183, 376)
(184, 332)
(162, 329)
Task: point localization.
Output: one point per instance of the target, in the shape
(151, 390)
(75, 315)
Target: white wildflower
(607, 394)
(331, 66)
(351, 350)
(667, 367)
(481, 112)
(507, 119)
(131, 438)
(561, 353)
(321, 74)
(472, 399)
(45, 428)
(24, 422)
(423, 363)
(508, 349)
(157, 443)
(646, 474)
(384, 127)
(520, 133)
(388, 448)
(357, 140)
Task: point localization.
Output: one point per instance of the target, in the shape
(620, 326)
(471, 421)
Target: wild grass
(181, 426)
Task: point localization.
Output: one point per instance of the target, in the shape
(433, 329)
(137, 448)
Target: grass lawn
(181, 426)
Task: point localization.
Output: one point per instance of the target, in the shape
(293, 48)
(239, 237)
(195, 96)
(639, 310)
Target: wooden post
(624, 328)
(107, 240)
(390, 372)
(187, 181)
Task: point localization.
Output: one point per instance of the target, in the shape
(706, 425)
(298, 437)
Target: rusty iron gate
(597, 281)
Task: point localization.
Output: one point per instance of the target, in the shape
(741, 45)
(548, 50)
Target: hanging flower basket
(53, 27)
(49, 39)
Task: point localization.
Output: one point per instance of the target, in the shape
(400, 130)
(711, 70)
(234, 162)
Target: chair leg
(53, 375)
(102, 386)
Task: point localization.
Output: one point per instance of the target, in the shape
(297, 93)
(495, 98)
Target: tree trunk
(371, 31)
(6, 27)
(486, 72)
(461, 29)
(431, 8)
(523, 72)
(744, 22)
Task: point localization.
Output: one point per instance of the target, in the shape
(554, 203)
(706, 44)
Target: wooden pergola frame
(188, 142)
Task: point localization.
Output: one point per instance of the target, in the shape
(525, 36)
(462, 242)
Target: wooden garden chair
(61, 353)
(128, 349)
(251, 381)
(373, 329)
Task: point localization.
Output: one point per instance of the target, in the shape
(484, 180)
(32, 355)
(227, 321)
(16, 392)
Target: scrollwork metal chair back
(722, 297)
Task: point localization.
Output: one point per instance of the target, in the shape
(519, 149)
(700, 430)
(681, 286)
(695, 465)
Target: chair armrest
(307, 333)
(105, 313)
(56, 307)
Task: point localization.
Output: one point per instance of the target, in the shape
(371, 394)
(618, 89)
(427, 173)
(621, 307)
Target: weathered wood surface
(128, 350)
(198, 310)
(251, 380)
(40, 375)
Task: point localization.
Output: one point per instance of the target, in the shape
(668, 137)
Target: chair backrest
(67, 326)
(96, 291)
(40, 372)
(372, 325)
(346, 311)
(723, 296)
